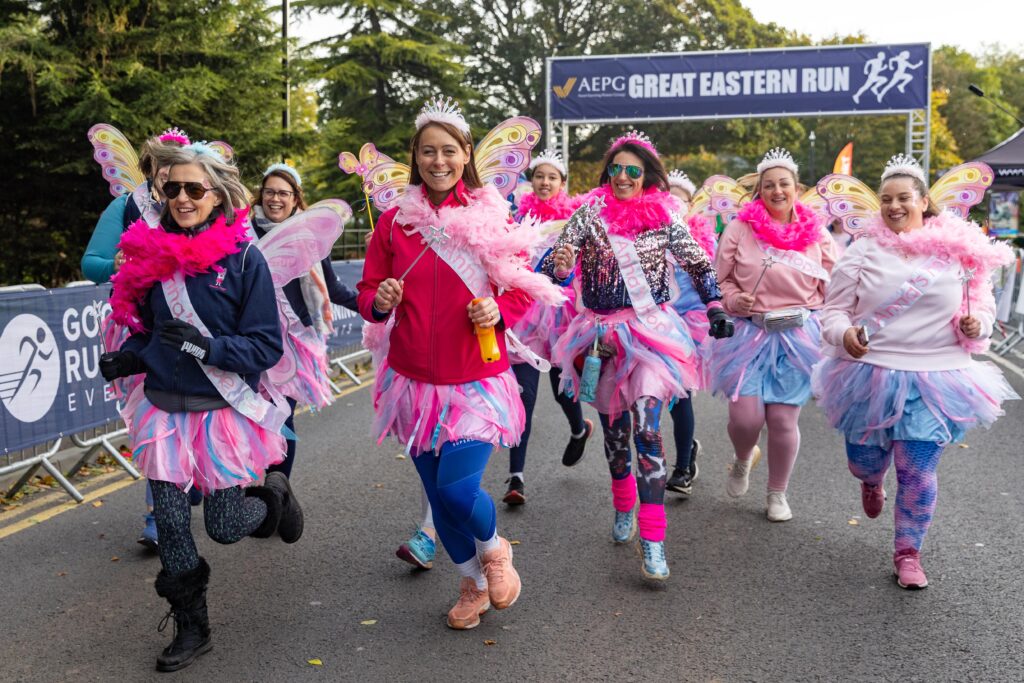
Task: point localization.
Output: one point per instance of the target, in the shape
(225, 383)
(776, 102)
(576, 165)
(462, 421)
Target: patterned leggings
(644, 420)
(228, 514)
(917, 483)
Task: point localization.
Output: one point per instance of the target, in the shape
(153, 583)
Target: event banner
(348, 325)
(50, 384)
(737, 83)
(1003, 213)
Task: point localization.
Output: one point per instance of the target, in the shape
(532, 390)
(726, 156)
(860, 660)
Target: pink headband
(635, 137)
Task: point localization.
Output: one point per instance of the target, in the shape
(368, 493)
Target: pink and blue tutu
(645, 363)
(695, 317)
(426, 416)
(773, 365)
(875, 406)
(543, 325)
(309, 385)
(211, 450)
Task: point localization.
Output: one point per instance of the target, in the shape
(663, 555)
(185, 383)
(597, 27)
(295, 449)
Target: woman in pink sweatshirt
(437, 262)
(773, 263)
(908, 304)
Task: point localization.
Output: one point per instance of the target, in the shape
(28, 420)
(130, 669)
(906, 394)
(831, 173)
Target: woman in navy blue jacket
(199, 299)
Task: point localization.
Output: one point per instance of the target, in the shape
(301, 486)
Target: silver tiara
(777, 157)
(552, 158)
(440, 110)
(901, 164)
(677, 178)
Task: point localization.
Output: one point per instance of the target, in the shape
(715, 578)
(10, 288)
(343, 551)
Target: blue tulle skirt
(875, 406)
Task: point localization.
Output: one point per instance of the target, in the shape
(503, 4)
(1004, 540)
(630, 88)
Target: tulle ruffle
(309, 385)
(646, 363)
(775, 366)
(543, 325)
(212, 450)
(425, 416)
(874, 406)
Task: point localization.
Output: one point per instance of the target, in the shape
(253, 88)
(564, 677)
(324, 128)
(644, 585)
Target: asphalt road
(809, 600)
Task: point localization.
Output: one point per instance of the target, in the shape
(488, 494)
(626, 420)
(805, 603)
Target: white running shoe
(778, 508)
(738, 481)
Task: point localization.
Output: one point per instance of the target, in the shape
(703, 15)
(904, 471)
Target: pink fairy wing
(369, 157)
(226, 151)
(117, 158)
(962, 187)
(725, 197)
(504, 153)
(286, 367)
(294, 246)
(386, 183)
(814, 201)
(849, 201)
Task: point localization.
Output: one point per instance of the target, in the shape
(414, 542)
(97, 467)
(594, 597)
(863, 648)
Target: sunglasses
(195, 191)
(634, 172)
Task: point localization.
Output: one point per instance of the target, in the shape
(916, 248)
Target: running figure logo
(879, 83)
(30, 375)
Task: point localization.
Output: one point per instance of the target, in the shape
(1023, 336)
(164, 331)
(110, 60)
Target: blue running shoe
(148, 537)
(624, 528)
(654, 566)
(418, 551)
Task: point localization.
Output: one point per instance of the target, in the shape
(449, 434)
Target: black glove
(186, 338)
(721, 323)
(120, 364)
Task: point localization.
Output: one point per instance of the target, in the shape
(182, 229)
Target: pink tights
(747, 416)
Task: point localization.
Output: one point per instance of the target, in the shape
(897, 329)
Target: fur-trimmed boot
(187, 595)
(284, 514)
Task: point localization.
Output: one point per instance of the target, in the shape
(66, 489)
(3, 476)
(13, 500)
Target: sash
(230, 385)
(150, 210)
(907, 295)
(472, 273)
(797, 261)
(648, 313)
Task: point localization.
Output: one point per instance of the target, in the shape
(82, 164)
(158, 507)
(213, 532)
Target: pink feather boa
(704, 232)
(960, 241)
(154, 255)
(557, 208)
(650, 210)
(483, 228)
(796, 236)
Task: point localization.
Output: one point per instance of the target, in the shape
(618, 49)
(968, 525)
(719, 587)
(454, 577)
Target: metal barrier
(1011, 323)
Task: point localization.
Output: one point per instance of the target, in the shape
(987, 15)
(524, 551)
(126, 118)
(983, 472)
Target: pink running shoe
(503, 582)
(872, 497)
(907, 567)
(472, 603)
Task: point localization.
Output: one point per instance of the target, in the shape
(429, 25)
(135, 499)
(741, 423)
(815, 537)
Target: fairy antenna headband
(677, 178)
(444, 110)
(778, 158)
(174, 135)
(901, 164)
(284, 168)
(552, 158)
(635, 137)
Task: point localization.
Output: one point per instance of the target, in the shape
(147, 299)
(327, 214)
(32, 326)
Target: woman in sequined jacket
(620, 237)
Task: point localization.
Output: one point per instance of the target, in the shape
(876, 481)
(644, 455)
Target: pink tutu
(646, 363)
(309, 385)
(542, 326)
(426, 416)
(211, 450)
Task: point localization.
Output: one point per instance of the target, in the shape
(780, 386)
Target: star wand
(436, 236)
(768, 262)
(966, 280)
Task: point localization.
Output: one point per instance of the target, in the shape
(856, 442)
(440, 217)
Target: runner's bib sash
(907, 295)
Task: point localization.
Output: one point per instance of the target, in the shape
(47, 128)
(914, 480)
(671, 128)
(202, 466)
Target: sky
(940, 22)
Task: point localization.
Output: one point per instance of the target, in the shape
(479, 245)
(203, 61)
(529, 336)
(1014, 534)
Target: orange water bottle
(488, 341)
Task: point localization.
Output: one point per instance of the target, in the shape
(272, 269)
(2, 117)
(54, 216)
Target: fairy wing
(962, 187)
(700, 204)
(117, 158)
(387, 183)
(368, 158)
(812, 199)
(725, 197)
(294, 246)
(849, 201)
(226, 151)
(504, 153)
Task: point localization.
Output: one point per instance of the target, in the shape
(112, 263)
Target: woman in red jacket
(436, 262)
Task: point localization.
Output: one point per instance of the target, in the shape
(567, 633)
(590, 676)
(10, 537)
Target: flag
(844, 162)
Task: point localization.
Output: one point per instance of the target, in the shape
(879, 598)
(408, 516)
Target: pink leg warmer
(651, 520)
(746, 418)
(624, 493)
(783, 443)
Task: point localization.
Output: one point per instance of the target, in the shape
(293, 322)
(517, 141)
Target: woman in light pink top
(908, 304)
(773, 263)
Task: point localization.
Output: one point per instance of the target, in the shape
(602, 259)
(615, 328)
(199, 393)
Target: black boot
(292, 522)
(273, 500)
(187, 595)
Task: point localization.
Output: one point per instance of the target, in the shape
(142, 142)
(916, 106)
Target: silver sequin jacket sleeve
(575, 233)
(693, 260)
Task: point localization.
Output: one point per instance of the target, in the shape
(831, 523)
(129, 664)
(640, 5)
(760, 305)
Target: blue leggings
(463, 512)
(528, 378)
(683, 429)
(917, 483)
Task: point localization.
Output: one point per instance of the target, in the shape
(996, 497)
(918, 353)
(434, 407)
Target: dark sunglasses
(634, 172)
(195, 191)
